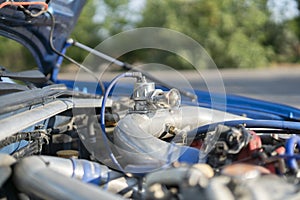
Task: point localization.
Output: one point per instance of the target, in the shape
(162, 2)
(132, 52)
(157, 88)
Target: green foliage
(284, 42)
(235, 33)
(14, 56)
(291, 37)
(115, 16)
(85, 31)
(230, 30)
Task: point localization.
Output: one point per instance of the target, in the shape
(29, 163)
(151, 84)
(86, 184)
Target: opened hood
(33, 32)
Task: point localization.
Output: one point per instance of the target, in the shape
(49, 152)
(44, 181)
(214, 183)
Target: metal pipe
(5, 170)
(97, 53)
(38, 114)
(135, 137)
(129, 67)
(80, 169)
(34, 175)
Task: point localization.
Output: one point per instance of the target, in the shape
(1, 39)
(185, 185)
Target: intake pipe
(57, 178)
(136, 137)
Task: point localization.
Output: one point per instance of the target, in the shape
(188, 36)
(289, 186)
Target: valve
(148, 99)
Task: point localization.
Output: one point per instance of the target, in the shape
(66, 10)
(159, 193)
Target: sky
(283, 10)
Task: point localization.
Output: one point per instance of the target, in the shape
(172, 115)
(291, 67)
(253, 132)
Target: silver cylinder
(33, 175)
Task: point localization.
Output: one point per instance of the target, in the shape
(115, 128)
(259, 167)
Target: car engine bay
(58, 142)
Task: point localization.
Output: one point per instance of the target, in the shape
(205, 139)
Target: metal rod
(129, 67)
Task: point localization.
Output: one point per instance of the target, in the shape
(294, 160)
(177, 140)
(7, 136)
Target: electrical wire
(12, 3)
(127, 189)
(26, 11)
(32, 14)
(69, 58)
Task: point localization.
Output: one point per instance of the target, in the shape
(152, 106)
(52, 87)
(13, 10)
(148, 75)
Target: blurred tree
(99, 19)
(85, 31)
(232, 31)
(113, 16)
(236, 33)
(284, 42)
(292, 46)
(10, 50)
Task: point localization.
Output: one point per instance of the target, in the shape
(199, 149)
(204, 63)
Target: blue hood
(33, 33)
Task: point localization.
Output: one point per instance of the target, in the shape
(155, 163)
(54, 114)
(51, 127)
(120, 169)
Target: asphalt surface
(281, 85)
(277, 84)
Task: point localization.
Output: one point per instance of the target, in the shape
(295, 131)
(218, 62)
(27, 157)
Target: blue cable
(102, 113)
(276, 124)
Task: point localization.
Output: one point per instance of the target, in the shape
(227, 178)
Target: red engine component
(254, 154)
(254, 146)
(197, 144)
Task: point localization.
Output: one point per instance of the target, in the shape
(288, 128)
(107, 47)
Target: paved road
(280, 85)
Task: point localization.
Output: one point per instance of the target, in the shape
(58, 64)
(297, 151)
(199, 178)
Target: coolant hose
(290, 147)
